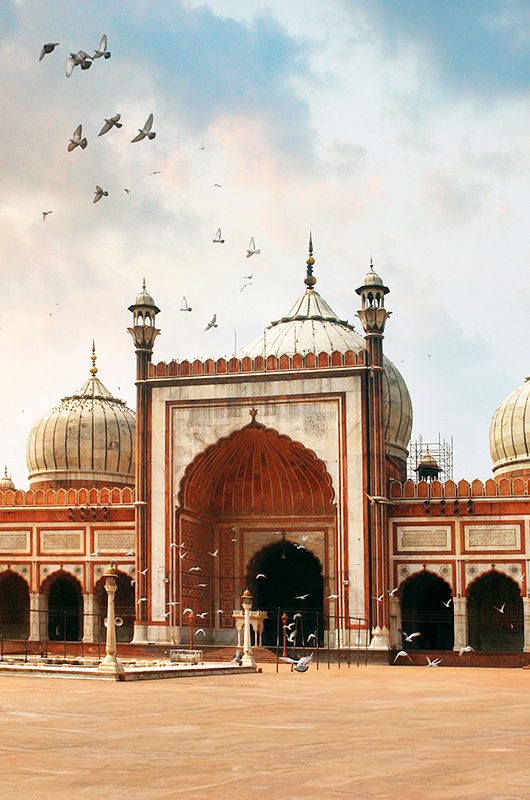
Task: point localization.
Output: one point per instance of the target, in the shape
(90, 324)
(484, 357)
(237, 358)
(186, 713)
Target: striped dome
(311, 326)
(510, 433)
(88, 439)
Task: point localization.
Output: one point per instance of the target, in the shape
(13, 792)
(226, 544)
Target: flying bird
(302, 665)
(448, 603)
(201, 630)
(251, 249)
(332, 597)
(77, 140)
(188, 611)
(301, 596)
(95, 553)
(311, 636)
(212, 323)
(45, 214)
(300, 547)
(245, 286)
(156, 172)
(79, 59)
(102, 49)
(128, 192)
(247, 277)
(218, 237)
(501, 609)
(435, 663)
(402, 654)
(411, 636)
(379, 599)
(47, 48)
(215, 553)
(112, 122)
(184, 305)
(130, 552)
(99, 193)
(392, 592)
(466, 649)
(260, 575)
(142, 600)
(203, 614)
(145, 131)
(195, 569)
(218, 185)
(202, 147)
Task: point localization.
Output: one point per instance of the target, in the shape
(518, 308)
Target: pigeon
(47, 48)
(130, 552)
(311, 636)
(156, 172)
(291, 638)
(145, 131)
(302, 665)
(238, 656)
(247, 277)
(301, 596)
(144, 571)
(94, 554)
(402, 654)
(203, 614)
(102, 49)
(45, 214)
(80, 59)
(202, 147)
(76, 140)
(217, 185)
(173, 544)
(212, 323)
(142, 600)
(332, 597)
(215, 553)
(184, 305)
(392, 592)
(379, 599)
(260, 575)
(218, 237)
(99, 193)
(245, 286)
(466, 649)
(300, 547)
(251, 249)
(501, 609)
(448, 603)
(112, 122)
(195, 569)
(188, 611)
(411, 636)
(435, 663)
(128, 192)
(200, 630)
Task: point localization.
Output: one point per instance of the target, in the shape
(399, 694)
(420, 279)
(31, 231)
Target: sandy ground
(368, 732)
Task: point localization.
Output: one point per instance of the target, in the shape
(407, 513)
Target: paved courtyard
(371, 732)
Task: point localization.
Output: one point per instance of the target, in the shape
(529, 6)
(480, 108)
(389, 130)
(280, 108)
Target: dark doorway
(124, 607)
(14, 606)
(489, 629)
(425, 607)
(64, 610)
(291, 573)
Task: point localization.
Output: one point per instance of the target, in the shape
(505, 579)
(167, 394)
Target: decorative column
(35, 623)
(395, 622)
(460, 622)
(247, 659)
(526, 624)
(373, 316)
(89, 618)
(110, 664)
(144, 333)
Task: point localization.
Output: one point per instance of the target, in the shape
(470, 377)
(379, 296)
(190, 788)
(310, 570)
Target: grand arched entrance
(293, 584)
(495, 613)
(256, 491)
(123, 604)
(426, 607)
(65, 608)
(14, 606)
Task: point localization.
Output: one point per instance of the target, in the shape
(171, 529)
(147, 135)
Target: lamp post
(248, 658)
(284, 628)
(110, 664)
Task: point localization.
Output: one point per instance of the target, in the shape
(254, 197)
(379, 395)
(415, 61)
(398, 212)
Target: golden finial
(93, 368)
(310, 279)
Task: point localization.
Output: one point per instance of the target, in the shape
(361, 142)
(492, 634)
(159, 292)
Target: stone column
(89, 619)
(37, 616)
(110, 664)
(395, 622)
(460, 622)
(526, 624)
(248, 658)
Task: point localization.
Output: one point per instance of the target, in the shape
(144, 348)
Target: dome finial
(371, 264)
(93, 357)
(143, 284)
(310, 279)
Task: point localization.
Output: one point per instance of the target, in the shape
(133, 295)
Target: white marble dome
(311, 326)
(88, 439)
(510, 433)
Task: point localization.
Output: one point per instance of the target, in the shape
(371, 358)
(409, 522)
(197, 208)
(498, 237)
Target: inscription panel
(61, 541)
(423, 539)
(492, 537)
(14, 541)
(114, 541)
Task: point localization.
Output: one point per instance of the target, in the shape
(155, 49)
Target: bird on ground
(200, 630)
(466, 649)
(218, 238)
(435, 663)
(302, 665)
(251, 249)
(111, 122)
(448, 603)
(47, 48)
(102, 49)
(215, 553)
(501, 609)
(212, 323)
(260, 575)
(99, 193)
(195, 569)
(402, 654)
(301, 596)
(411, 636)
(79, 59)
(77, 140)
(245, 286)
(184, 305)
(45, 214)
(145, 131)
(238, 656)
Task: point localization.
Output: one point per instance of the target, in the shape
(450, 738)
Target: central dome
(87, 440)
(311, 326)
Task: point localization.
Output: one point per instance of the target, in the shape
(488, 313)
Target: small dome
(88, 440)
(143, 298)
(372, 280)
(428, 461)
(311, 326)
(510, 433)
(5, 481)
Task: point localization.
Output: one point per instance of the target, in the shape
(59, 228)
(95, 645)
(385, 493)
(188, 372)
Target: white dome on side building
(510, 434)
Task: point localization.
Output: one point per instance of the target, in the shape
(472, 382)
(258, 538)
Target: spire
(93, 357)
(309, 279)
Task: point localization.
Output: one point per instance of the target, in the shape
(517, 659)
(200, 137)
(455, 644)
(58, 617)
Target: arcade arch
(426, 607)
(124, 608)
(14, 606)
(64, 598)
(495, 613)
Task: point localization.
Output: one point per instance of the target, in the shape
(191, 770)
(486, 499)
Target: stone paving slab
(361, 733)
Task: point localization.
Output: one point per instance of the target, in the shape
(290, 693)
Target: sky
(393, 130)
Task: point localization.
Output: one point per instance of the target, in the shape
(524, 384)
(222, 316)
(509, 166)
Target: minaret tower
(373, 316)
(144, 333)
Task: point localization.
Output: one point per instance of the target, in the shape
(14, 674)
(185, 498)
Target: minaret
(373, 316)
(144, 333)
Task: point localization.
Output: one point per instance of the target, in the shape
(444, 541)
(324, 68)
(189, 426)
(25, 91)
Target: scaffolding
(441, 451)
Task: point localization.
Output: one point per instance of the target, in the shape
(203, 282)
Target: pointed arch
(495, 612)
(426, 607)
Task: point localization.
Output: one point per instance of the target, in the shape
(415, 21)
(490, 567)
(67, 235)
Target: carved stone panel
(492, 537)
(115, 541)
(15, 541)
(61, 541)
(423, 539)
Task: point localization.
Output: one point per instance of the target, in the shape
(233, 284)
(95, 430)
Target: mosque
(281, 470)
